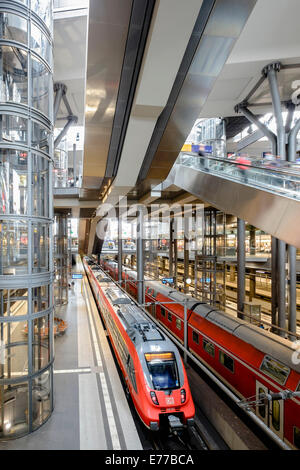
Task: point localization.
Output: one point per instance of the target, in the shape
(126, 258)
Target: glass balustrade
(277, 176)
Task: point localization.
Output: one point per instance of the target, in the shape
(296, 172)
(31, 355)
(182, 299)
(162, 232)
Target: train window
(178, 324)
(170, 317)
(162, 311)
(296, 437)
(298, 388)
(163, 370)
(275, 369)
(226, 361)
(262, 408)
(131, 372)
(276, 415)
(209, 347)
(195, 337)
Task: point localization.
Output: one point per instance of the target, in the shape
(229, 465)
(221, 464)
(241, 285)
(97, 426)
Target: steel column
(292, 290)
(140, 256)
(271, 72)
(60, 89)
(292, 252)
(171, 255)
(240, 266)
(185, 254)
(71, 120)
(74, 163)
(185, 332)
(120, 248)
(281, 285)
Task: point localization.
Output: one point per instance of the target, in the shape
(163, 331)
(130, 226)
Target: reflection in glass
(40, 298)
(13, 77)
(13, 247)
(13, 27)
(13, 410)
(41, 343)
(13, 302)
(276, 415)
(40, 86)
(40, 44)
(40, 137)
(41, 399)
(13, 128)
(13, 181)
(43, 9)
(40, 233)
(15, 355)
(40, 185)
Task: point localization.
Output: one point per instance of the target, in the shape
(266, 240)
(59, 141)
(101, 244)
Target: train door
(153, 310)
(262, 410)
(270, 412)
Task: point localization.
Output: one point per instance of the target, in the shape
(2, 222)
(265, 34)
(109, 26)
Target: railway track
(187, 439)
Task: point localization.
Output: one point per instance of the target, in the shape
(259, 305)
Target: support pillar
(186, 254)
(120, 249)
(281, 286)
(274, 300)
(271, 72)
(175, 235)
(171, 254)
(140, 256)
(292, 252)
(241, 261)
(292, 290)
(61, 260)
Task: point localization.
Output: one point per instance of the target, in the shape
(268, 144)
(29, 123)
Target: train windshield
(163, 370)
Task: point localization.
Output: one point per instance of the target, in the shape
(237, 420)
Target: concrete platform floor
(91, 410)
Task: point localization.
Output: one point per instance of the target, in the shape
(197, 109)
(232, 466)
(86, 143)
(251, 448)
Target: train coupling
(174, 423)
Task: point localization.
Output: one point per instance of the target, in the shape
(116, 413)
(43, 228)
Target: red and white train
(249, 360)
(150, 362)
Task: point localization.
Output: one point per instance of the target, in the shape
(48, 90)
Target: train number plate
(170, 401)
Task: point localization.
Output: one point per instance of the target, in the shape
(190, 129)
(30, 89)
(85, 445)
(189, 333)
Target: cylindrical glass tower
(26, 213)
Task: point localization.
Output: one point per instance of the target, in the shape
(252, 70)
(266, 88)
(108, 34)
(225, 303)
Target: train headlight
(183, 395)
(154, 398)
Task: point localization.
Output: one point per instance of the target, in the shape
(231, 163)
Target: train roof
(264, 341)
(171, 293)
(268, 343)
(138, 326)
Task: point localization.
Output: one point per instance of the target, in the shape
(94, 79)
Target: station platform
(91, 411)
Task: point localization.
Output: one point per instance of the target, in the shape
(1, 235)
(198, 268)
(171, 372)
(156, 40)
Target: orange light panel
(161, 356)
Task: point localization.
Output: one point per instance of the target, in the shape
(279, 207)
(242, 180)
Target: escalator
(267, 197)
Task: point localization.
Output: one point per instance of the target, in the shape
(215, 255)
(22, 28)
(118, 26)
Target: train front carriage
(150, 363)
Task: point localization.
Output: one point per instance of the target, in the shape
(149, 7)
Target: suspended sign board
(76, 276)
(169, 280)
